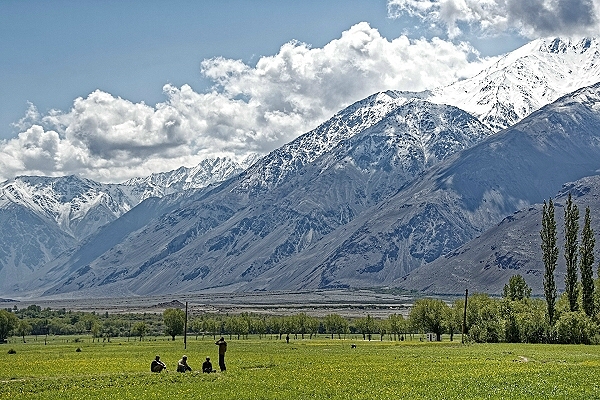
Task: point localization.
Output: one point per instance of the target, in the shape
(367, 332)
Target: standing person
(222, 349)
(182, 365)
(157, 365)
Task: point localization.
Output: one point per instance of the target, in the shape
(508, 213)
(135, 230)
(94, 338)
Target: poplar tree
(586, 252)
(550, 255)
(571, 232)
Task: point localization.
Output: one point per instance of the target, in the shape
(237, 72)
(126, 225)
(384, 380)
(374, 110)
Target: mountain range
(394, 190)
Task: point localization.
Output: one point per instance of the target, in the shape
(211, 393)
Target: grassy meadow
(320, 368)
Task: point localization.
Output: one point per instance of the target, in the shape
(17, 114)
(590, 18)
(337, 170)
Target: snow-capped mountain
(41, 217)
(253, 239)
(44, 216)
(207, 172)
(459, 199)
(282, 163)
(331, 225)
(266, 174)
(525, 80)
(360, 200)
(76, 205)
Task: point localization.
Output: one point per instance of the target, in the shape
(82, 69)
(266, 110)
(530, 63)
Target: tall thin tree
(586, 252)
(571, 232)
(550, 254)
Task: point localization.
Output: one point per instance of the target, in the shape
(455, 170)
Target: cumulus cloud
(248, 109)
(531, 18)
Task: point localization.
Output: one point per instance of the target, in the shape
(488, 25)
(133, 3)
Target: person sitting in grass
(207, 366)
(157, 365)
(182, 365)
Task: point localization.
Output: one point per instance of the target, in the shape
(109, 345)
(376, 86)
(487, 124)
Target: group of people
(182, 366)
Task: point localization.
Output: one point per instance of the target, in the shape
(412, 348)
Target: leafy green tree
(335, 323)
(571, 231)
(211, 325)
(96, 330)
(454, 318)
(586, 252)
(174, 320)
(395, 322)
(516, 288)
(23, 328)
(484, 323)
(532, 322)
(366, 326)
(140, 329)
(550, 256)
(259, 325)
(196, 326)
(428, 315)
(89, 320)
(276, 326)
(288, 325)
(509, 309)
(312, 325)
(383, 327)
(301, 321)
(8, 321)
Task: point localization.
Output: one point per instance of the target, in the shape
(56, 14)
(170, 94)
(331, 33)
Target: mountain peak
(525, 80)
(559, 45)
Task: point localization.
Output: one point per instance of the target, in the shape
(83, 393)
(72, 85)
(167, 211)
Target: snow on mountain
(207, 172)
(525, 80)
(269, 172)
(77, 205)
(457, 200)
(320, 197)
(43, 217)
(282, 163)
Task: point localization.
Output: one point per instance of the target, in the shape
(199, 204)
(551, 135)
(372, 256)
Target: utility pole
(464, 324)
(185, 327)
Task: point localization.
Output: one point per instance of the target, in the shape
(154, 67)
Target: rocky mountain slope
(459, 199)
(208, 172)
(445, 207)
(512, 247)
(266, 174)
(250, 240)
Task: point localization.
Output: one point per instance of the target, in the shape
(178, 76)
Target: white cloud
(249, 109)
(531, 18)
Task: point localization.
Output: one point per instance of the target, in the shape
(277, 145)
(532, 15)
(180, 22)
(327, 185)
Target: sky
(116, 89)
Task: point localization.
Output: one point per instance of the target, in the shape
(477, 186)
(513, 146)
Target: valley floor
(347, 303)
(319, 368)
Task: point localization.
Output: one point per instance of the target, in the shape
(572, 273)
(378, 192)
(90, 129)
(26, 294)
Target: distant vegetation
(513, 318)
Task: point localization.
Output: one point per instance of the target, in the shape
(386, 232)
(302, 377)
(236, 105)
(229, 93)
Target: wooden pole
(464, 324)
(185, 327)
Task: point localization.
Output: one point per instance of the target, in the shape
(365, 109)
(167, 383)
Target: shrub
(574, 328)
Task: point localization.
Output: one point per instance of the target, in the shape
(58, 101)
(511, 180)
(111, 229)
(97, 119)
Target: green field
(303, 369)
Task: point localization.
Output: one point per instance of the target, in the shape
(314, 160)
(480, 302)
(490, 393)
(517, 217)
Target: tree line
(516, 317)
